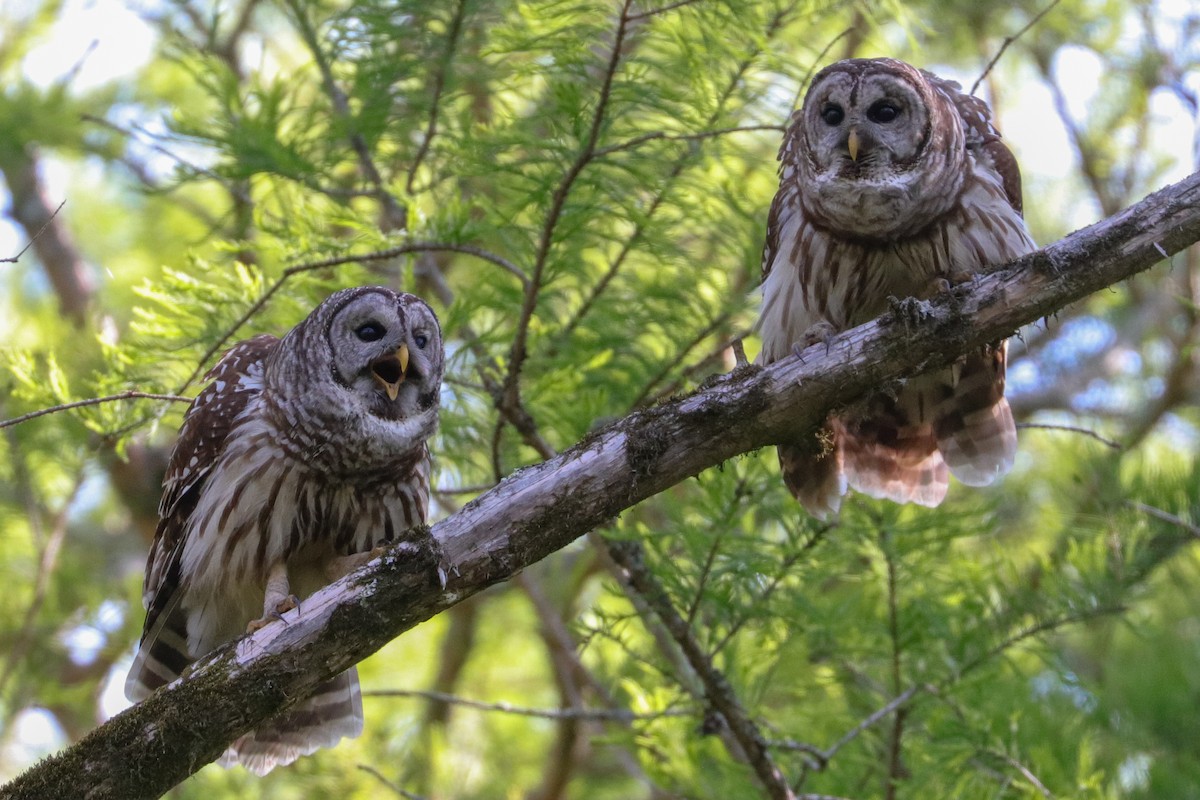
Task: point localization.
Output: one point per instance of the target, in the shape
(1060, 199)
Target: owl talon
(818, 333)
(910, 311)
(282, 607)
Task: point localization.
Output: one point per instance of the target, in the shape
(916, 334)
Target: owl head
(367, 352)
(880, 148)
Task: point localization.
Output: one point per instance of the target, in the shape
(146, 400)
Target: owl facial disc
(389, 370)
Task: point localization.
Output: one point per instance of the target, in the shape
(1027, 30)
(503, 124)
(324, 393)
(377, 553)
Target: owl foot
(816, 334)
(910, 311)
(283, 606)
(277, 598)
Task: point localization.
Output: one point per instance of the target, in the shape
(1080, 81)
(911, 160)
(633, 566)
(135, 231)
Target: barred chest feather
(263, 504)
(817, 277)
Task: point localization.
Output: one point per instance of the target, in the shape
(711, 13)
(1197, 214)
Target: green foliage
(584, 200)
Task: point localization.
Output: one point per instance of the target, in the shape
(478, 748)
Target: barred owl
(302, 455)
(893, 183)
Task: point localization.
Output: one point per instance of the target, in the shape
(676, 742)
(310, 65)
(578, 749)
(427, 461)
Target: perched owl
(893, 183)
(302, 455)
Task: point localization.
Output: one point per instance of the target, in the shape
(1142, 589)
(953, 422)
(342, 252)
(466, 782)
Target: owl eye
(421, 340)
(832, 114)
(370, 331)
(884, 111)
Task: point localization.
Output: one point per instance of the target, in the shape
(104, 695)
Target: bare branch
(598, 714)
(682, 137)
(93, 401)
(1164, 516)
(1024, 770)
(660, 195)
(439, 85)
(558, 201)
(816, 62)
(716, 688)
(32, 239)
(894, 704)
(377, 775)
(1009, 40)
(149, 748)
(1072, 429)
(661, 10)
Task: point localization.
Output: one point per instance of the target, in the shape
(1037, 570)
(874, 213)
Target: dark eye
(370, 331)
(832, 114)
(883, 111)
(421, 340)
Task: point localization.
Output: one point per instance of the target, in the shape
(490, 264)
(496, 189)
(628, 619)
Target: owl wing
(786, 200)
(233, 382)
(982, 138)
(973, 422)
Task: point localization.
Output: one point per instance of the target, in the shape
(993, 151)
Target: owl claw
(283, 606)
(816, 334)
(910, 311)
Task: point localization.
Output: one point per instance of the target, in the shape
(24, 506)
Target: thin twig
(1072, 429)
(93, 401)
(419, 247)
(439, 85)
(879, 714)
(41, 583)
(375, 773)
(785, 567)
(309, 266)
(662, 10)
(558, 201)
(394, 214)
(1164, 516)
(1029, 632)
(148, 139)
(1024, 770)
(670, 366)
(895, 768)
(598, 714)
(665, 187)
(34, 238)
(812, 68)
(681, 137)
(629, 555)
(1008, 40)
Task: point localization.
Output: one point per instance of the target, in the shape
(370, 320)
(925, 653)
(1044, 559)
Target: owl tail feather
(974, 424)
(812, 472)
(333, 712)
(162, 655)
(889, 461)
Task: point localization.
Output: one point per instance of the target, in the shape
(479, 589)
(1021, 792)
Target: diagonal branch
(558, 204)
(538, 510)
(716, 687)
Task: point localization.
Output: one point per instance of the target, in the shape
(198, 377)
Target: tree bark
(537, 510)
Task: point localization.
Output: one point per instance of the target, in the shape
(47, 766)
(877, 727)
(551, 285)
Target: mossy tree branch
(538, 510)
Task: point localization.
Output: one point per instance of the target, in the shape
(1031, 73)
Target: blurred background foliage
(580, 188)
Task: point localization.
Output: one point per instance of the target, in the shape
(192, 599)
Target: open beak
(390, 370)
(852, 144)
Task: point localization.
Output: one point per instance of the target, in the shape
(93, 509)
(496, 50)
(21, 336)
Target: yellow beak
(402, 354)
(384, 370)
(852, 144)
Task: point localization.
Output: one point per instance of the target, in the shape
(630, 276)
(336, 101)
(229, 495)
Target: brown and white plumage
(892, 182)
(301, 452)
